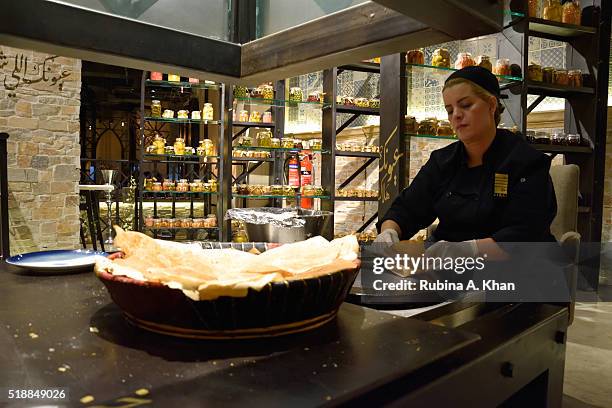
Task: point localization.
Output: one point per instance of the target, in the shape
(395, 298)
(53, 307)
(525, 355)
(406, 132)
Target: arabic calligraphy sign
(29, 72)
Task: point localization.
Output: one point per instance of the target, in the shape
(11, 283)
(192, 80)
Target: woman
(488, 187)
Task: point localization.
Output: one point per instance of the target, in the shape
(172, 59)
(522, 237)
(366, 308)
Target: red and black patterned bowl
(278, 308)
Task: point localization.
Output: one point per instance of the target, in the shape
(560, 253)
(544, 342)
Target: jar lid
(575, 71)
(208, 104)
(573, 136)
(155, 101)
(561, 70)
(542, 134)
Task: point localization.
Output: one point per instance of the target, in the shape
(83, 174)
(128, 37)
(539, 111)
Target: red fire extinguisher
(306, 178)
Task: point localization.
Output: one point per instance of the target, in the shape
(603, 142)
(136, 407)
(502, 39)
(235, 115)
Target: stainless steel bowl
(316, 221)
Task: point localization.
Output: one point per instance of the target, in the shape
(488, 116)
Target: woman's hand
(445, 249)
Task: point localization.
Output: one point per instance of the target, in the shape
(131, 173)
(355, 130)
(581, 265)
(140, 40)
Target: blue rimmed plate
(57, 261)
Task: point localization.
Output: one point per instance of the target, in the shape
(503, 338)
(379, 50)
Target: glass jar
(159, 144)
(287, 143)
(182, 186)
(255, 117)
(560, 77)
(309, 190)
(207, 112)
(148, 222)
(275, 143)
(485, 62)
(575, 78)
(267, 91)
(415, 57)
(148, 184)
(444, 129)
(276, 190)
(534, 8)
(209, 147)
(194, 80)
(464, 59)
(241, 92)
(530, 136)
(348, 101)
(213, 185)
(295, 94)
(267, 117)
(156, 222)
(410, 124)
(174, 78)
(156, 186)
(171, 222)
(169, 185)
(374, 103)
(534, 73)
(168, 114)
(559, 138)
(264, 138)
(169, 150)
(157, 76)
(257, 93)
(243, 189)
(195, 115)
(182, 114)
(195, 186)
(502, 67)
(571, 13)
(206, 188)
(314, 96)
(362, 102)
(240, 236)
(288, 191)
(548, 75)
(245, 141)
(552, 10)
(441, 58)
(244, 116)
(179, 146)
(428, 126)
(211, 221)
(156, 108)
(316, 144)
(542, 137)
(197, 223)
(573, 139)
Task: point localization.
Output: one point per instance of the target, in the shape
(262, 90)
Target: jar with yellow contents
(179, 146)
(160, 144)
(206, 148)
(264, 138)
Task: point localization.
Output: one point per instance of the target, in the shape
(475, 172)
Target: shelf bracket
(240, 132)
(535, 103)
(347, 123)
(248, 171)
(368, 222)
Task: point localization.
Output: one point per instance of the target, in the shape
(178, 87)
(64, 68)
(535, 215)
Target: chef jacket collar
(489, 156)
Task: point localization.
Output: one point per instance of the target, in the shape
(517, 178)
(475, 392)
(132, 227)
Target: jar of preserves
(542, 137)
(309, 190)
(182, 186)
(319, 191)
(485, 62)
(206, 188)
(534, 8)
(168, 114)
(287, 143)
(159, 144)
(267, 91)
(195, 186)
(560, 77)
(316, 144)
(206, 148)
(275, 143)
(169, 150)
(575, 78)
(548, 75)
(348, 101)
(257, 93)
(295, 94)
(534, 72)
(213, 185)
(179, 146)
(276, 190)
(156, 110)
(174, 78)
(187, 222)
(571, 13)
(362, 102)
(415, 57)
(171, 222)
(169, 185)
(207, 112)
(288, 191)
(573, 139)
(316, 96)
(245, 141)
(255, 117)
(240, 236)
(244, 116)
(428, 126)
(267, 117)
(552, 10)
(464, 59)
(156, 186)
(502, 67)
(241, 92)
(157, 222)
(264, 138)
(374, 103)
(441, 58)
(530, 136)
(243, 189)
(182, 114)
(211, 221)
(197, 223)
(410, 124)
(195, 115)
(148, 184)
(157, 76)
(559, 138)
(444, 128)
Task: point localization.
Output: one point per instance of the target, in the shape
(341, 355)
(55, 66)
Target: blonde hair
(481, 93)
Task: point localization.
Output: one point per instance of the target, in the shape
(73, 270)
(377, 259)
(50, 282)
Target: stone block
(24, 123)
(40, 162)
(45, 110)
(19, 186)
(27, 148)
(16, 175)
(48, 227)
(41, 188)
(72, 200)
(32, 175)
(62, 187)
(63, 172)
(23, 108)
(23, 161)
(54, 125)
(46, 213)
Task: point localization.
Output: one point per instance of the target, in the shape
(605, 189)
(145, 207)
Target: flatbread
(209, 273)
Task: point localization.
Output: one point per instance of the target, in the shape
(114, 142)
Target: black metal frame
(4, 212)
(359, 32)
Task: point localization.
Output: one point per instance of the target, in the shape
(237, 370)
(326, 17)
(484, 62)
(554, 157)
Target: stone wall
(39, 109)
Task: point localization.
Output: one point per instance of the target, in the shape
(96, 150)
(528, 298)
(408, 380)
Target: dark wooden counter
(64, 331)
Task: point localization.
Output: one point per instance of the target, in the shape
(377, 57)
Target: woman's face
(470, 116)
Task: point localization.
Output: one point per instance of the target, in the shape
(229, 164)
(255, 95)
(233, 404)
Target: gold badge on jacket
(500, 187)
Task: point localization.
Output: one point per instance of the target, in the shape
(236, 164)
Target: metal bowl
(316, 222)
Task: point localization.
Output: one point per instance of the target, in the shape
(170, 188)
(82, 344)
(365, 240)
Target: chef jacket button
(449, 194)
(523, 179)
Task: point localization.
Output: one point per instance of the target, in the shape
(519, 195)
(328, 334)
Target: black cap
(480, 76)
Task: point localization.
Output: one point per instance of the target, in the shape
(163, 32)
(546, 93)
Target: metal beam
(71, 31)
(356, 173)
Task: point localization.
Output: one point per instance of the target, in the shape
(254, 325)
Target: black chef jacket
(509, 198)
